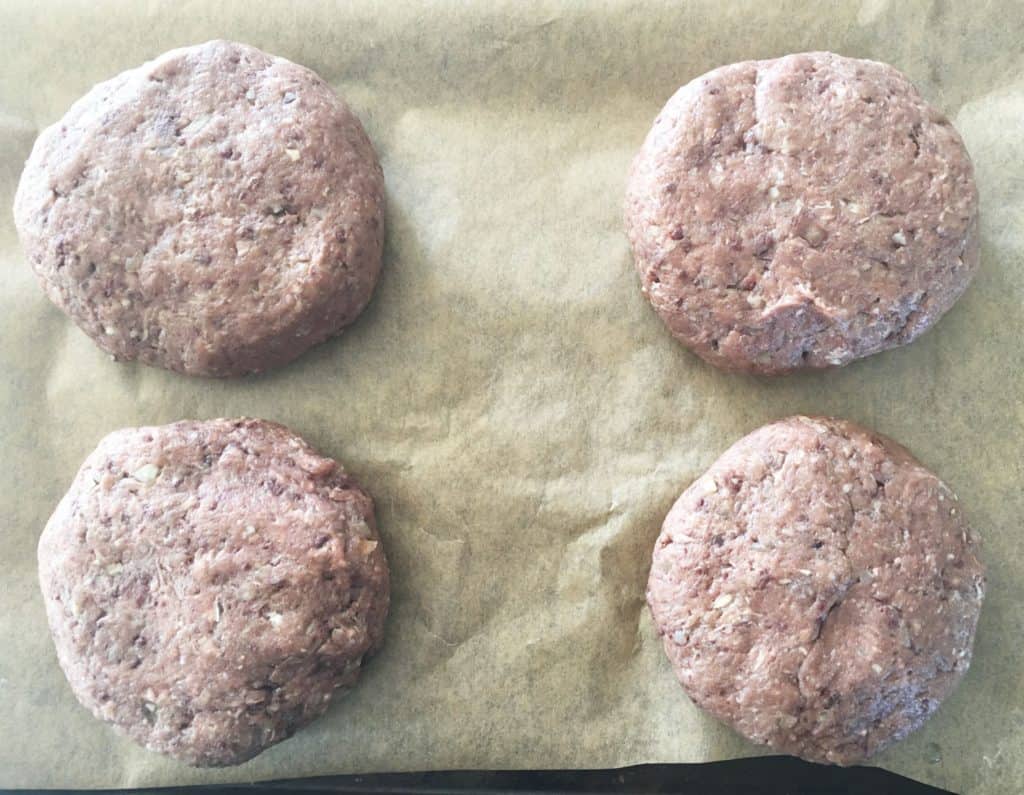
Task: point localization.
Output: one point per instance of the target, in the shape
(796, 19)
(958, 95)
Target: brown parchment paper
(520, 414)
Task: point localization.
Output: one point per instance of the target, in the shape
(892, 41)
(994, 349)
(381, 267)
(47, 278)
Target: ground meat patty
(216, 211)
(209, 585)
(801, 212)
(817, 589)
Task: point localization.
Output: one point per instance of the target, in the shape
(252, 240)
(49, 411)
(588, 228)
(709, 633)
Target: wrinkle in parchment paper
(520, 414)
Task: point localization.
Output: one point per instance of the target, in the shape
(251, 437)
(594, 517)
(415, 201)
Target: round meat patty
(209, 585)
(818, 590)
(216, 211)
(801, 213)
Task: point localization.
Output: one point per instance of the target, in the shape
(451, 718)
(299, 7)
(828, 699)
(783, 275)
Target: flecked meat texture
(216, 211)
(209, 585)
(818, 590)
(801, 213)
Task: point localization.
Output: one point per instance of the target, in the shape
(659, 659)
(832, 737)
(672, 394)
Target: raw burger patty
(801, 212)
(216, 211)
(209, 585)
(817, 589)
